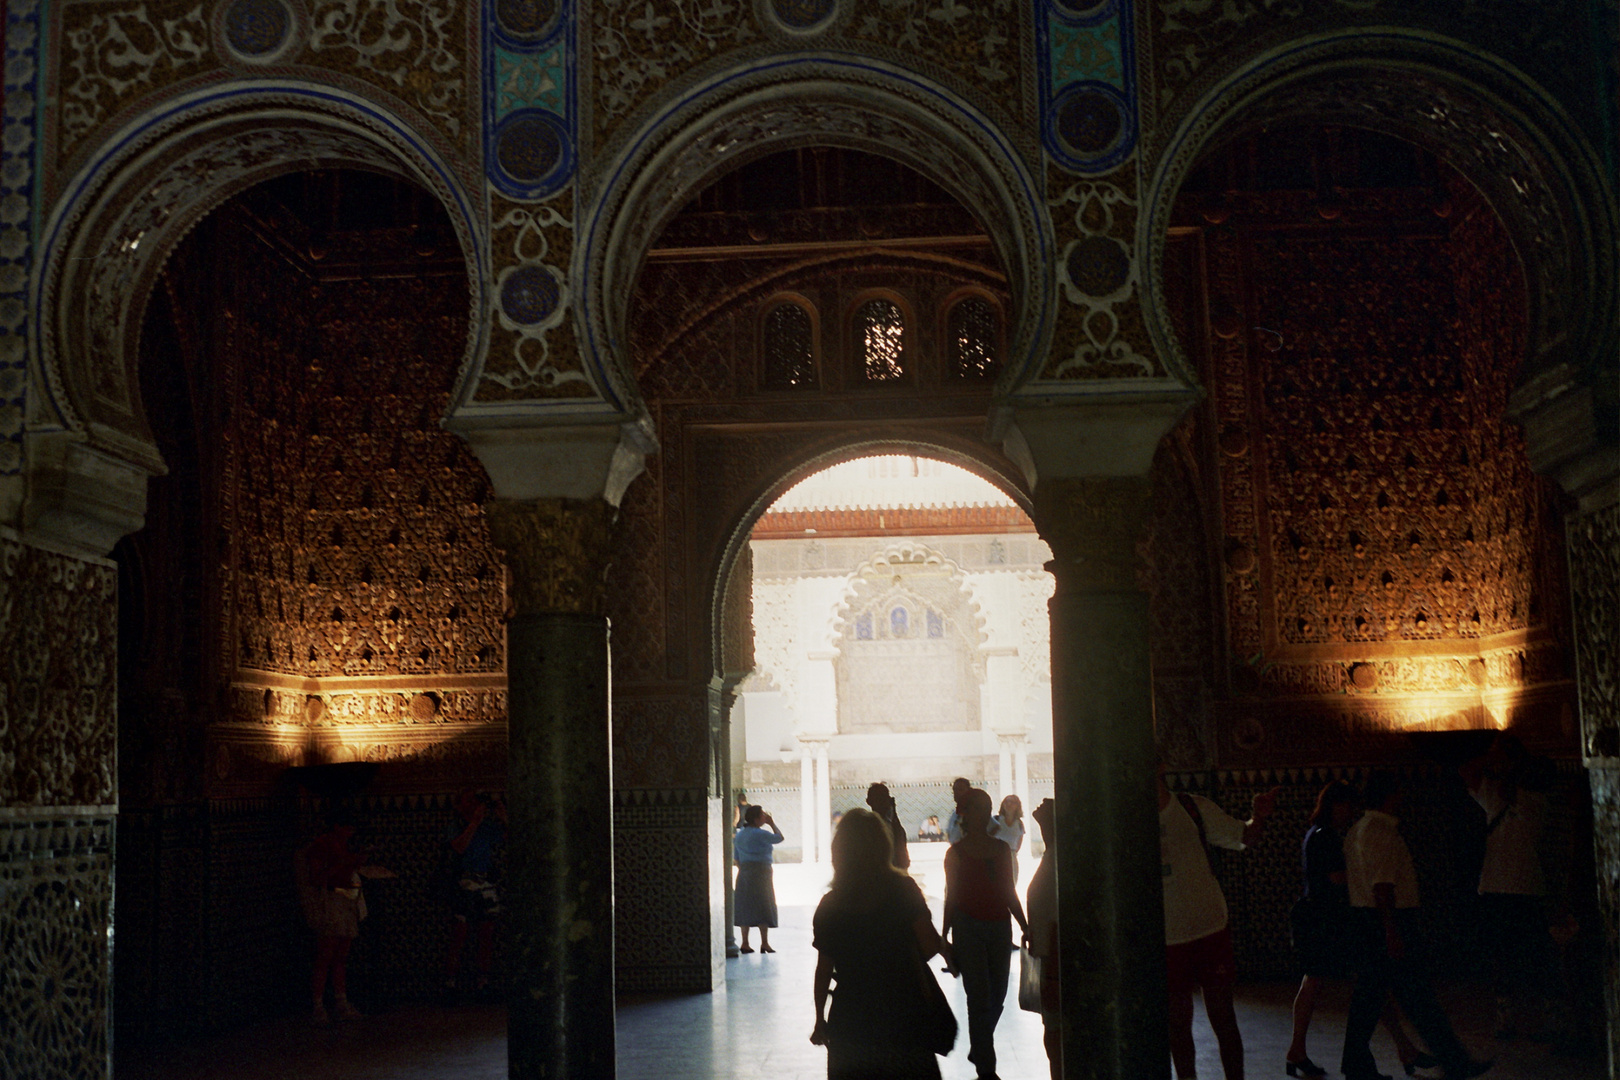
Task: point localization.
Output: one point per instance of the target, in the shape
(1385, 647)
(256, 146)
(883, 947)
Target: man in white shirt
(1198, 945)
(1510, 785)
(1384, 902)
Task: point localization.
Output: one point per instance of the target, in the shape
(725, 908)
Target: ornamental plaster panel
(58, 724)
(1594, 566)
(116, 56)
(18, 135)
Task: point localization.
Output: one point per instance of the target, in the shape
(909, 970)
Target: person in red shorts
(1198, 945)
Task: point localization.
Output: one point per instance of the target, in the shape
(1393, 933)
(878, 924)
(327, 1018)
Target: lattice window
(863, 627)
(881, 330)
(972, 330)
(936, 624)
(789, 362)
(899, 623)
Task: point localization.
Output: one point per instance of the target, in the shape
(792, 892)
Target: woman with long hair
(1321, 929)
(980, 894)
(1008, 827)
(873, 936)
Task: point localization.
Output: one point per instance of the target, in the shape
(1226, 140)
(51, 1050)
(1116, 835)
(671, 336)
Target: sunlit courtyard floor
(758, 1026)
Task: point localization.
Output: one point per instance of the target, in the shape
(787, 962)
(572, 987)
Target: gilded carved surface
(361, 547)
(1386, 548)
(58, 678)
(55, 918)
(1594, 571)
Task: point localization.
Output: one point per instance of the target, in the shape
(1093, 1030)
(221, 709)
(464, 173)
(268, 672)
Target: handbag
(938, 1021)
(1029, 980)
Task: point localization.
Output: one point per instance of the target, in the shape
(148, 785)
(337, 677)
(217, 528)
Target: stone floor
(757, 1027)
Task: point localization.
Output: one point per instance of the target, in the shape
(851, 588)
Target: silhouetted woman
(874, 936)
(980, 894)
(754, 898)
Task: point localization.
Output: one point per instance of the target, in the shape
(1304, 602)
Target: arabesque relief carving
(1099, 332)
(1096, 526)
(361, 548)
(1594, 572)
(58, 678)
(556, 550)
(533, 350)
(116, 52)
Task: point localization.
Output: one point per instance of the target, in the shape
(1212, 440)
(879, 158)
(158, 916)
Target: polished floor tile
(758, 1027)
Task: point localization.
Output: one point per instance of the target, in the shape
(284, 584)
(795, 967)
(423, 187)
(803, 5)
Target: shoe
(1304, 1067)
(1469, 1070)
(766, 948)
(746, 949)
(1421, 1061)
(318, 1015)
(344, 1010)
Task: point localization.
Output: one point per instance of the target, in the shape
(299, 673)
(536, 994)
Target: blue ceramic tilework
(18, 130)
(530, 111)
(1088, 82)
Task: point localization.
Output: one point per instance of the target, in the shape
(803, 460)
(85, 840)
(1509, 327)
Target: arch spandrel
(107, 239)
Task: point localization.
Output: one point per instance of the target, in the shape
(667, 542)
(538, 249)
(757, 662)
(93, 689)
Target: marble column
(1111, 908)
(1004, 774)
(807, 805)
(823, 804)
(1021, 772)
(559, 788)
(1594, 572)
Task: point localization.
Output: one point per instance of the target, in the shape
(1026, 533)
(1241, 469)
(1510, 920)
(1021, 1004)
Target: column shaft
(1021, 773)
(560, 793)
(1004, 775)
(1110, 893)
(1110, 899)
(823, 805)
(807, 807)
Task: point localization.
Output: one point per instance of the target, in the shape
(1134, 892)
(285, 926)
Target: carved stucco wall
(1390, 561)
(57, 718)
(357, 547)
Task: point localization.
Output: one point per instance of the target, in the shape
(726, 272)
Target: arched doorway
(317, 617)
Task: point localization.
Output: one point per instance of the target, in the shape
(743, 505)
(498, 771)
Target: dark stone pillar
(559, 789)
(1594, 572)
(1110, 903)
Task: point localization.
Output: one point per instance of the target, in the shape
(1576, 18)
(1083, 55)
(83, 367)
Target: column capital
(557, 552)
(1093, 525)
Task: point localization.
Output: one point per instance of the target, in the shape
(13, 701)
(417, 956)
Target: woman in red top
(980, 894)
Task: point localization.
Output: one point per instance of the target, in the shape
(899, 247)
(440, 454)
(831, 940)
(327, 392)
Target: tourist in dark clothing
(1322, 928)
(882, 804)
(473, 843)
(874, 936)
(980, 895)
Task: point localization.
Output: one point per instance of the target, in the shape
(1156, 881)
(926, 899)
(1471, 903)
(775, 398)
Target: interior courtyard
(613, 415)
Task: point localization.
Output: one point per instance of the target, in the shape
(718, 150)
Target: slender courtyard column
(559, 788)
(823, 804)
(807, 805)
(1110, 904)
